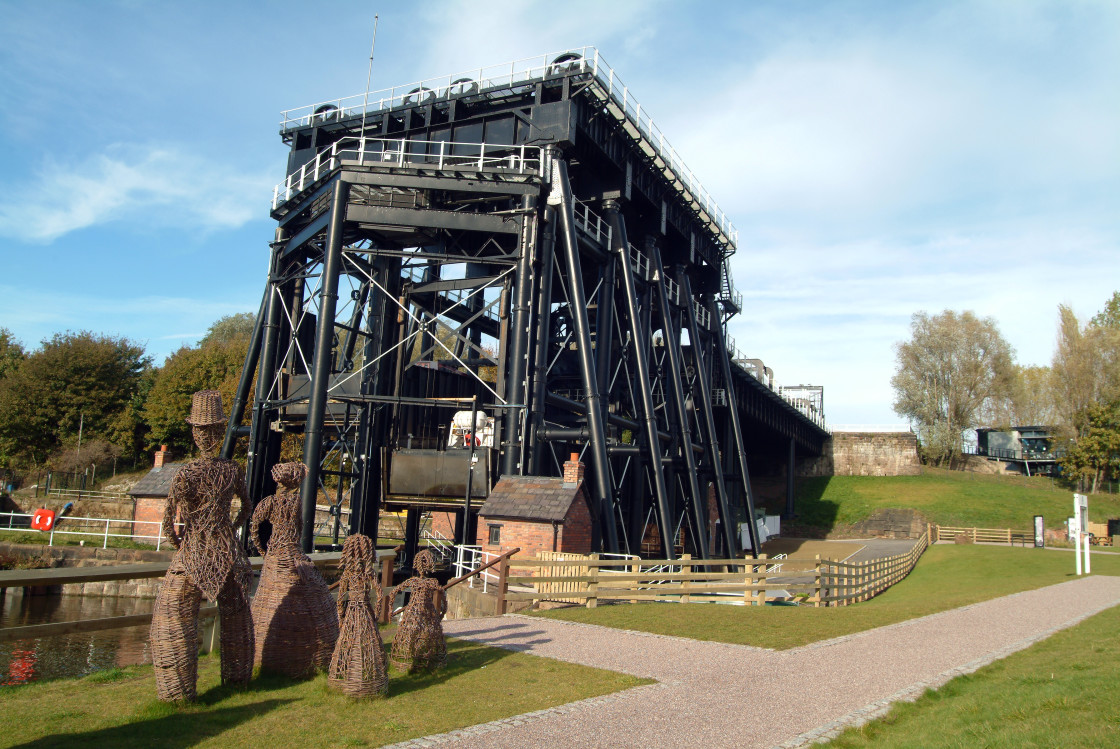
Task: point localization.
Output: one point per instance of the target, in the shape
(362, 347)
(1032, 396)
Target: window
(495, 535)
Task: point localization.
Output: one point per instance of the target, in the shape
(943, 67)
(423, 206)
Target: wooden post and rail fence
(754, 582)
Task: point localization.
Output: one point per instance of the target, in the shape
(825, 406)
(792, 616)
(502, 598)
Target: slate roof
(530, 498)
(157, 482)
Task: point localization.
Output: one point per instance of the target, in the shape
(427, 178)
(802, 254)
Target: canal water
(22, 661)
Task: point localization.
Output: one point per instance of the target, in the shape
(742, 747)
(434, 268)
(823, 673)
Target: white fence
(154, 536)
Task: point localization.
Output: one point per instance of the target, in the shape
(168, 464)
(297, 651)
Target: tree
(11, 352)
(1109, 317)
(950, 368)
(214, 366)
(230, 328)
(1086, 368)
(1096, 454)
(73, 380)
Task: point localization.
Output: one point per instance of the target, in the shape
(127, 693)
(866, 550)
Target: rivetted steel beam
(676, 381)
(517, 382)
(543, 334)
(733, 410)
(666, 522)
(604, 494)
(619, 421)
(791, 466)
(705, 397)
(321, 368)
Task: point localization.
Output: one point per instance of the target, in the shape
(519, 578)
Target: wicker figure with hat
(419, 642)
(358, 664)
(293, 615)
(209, 562)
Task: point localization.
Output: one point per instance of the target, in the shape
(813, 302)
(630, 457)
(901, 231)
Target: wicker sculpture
(358, 664)
(294, 617)
(209, 562)
(419, 642)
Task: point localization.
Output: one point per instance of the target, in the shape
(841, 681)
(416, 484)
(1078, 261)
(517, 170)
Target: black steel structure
(521, 244)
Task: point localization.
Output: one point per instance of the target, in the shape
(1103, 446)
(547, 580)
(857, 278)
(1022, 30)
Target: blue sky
(878, 158)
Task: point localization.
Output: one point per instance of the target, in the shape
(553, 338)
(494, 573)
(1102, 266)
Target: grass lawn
(947, 576)
(118, 708)
(1061, 692)
(954, 498)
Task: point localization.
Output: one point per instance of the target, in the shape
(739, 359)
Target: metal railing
(400, 152)
(469, 558)
(592, 223)
(521, 72)
(104, 534)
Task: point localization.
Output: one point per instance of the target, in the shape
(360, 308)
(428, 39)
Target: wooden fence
(589, 580)
(980, 535)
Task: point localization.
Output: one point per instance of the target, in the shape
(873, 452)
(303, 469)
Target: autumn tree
(1086, 367)
(214, 364)
(73, 380)
(950, 368)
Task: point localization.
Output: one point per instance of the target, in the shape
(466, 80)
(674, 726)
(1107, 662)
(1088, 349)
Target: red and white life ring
(467, 436)
(42, 520)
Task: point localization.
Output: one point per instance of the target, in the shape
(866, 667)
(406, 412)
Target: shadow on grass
(463, 657)
(812, 511)
(170, 727)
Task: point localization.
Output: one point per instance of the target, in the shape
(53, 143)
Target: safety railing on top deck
(592, 223)
(397, 152)
(479, 81)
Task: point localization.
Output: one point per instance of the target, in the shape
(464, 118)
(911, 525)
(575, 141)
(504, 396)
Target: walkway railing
(818, 582)
(980, 535)
(153, 535)
(440, 155)
(469, 558)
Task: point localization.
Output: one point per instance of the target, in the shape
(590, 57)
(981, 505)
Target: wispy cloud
(160, 185)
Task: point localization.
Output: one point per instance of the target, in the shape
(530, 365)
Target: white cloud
(152, 185)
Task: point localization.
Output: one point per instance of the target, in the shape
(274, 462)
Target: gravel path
(715, 695)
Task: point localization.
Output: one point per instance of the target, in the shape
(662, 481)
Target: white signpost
(1077, 530)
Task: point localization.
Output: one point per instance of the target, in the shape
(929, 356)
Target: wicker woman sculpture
(209, 562)
(419, 642)
(358, 664)
(293, 615)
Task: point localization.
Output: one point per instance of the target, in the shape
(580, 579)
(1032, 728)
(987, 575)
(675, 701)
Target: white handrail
(105, 535)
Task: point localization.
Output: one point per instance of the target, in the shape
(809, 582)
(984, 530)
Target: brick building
(537, 514)
(149, 496)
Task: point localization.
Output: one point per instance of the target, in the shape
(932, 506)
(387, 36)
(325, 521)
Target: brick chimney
(161, 456)
(573, 471)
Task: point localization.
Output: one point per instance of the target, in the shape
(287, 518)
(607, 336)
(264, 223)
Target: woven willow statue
(209, 562)
(419, 642)
(358, 664)
(293, 615)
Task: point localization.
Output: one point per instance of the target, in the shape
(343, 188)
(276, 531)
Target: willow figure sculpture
(358, 664)
(209, 562)
(294, 617)
(419, 642)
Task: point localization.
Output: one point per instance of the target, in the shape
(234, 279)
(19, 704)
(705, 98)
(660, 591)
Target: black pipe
(733, 410)
(518, 358)
(641, 344)
(257, 460)
(791, 466)
(705, 397)
(246, 382)
(672, 335)
(578, 301)
(321, 368)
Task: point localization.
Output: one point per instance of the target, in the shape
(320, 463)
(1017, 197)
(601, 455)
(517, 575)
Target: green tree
(228, 329)
(1086, 368)
(1096, 454)
(71, 380)
(952, 366)
(11, 352)
(1109, 317)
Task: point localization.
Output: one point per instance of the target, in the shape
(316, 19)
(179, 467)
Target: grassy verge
(1061, 692)
(945, 578)
(953, 498)
(118, 707)
(64, 539)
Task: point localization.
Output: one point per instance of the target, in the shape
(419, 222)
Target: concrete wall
(85, 556)
(866, 454)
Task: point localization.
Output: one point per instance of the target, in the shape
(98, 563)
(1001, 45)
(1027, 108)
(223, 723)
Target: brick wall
(575, 536)
(866, 454)
(148, 510)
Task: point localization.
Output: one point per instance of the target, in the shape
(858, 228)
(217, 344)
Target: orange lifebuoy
(467, 437)
(42, 520)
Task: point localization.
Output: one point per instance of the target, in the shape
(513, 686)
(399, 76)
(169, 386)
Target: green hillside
(954, 498)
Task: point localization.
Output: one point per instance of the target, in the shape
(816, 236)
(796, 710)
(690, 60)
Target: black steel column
(543, 334)
(621, 246)
(246, 381)
(791, 467)
(724, 359)
(260, 480)
(672, 335)
(321, 368)
(705, 406)
(578, 300)
(513, 452)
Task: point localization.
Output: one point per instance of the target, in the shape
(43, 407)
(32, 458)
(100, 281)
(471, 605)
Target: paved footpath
(714, 695)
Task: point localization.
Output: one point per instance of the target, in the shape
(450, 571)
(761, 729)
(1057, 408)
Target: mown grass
(118, 707)
(946, 577)
(1061, 692)
(953, 498)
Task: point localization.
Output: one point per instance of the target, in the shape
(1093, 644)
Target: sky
(878, 158)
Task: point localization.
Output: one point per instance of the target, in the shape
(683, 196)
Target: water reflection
(22, 661)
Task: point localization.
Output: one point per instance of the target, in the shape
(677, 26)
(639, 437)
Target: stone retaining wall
(84, 556)
(866, 454)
